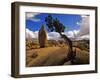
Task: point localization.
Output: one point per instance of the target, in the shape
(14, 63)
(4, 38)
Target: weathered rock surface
(42, 36)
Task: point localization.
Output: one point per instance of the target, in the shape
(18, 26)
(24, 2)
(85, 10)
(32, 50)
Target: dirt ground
(52, 56)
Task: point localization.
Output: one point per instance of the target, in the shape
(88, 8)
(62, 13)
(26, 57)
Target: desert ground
(55, 54)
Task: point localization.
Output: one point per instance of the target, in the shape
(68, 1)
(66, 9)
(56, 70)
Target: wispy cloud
(34, 19)
(31, 16)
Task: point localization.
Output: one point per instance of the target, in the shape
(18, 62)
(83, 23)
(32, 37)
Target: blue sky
(34, 22)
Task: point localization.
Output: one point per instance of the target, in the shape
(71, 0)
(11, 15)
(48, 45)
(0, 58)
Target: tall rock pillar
(42, 37)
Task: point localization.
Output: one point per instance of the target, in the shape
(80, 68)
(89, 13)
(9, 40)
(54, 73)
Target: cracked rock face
(42, 36)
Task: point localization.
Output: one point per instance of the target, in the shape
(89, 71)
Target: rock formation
(42, 36)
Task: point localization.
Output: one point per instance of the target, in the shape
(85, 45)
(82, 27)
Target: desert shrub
(83, 45)
(30, 44)
(52, 43)
(34, 55)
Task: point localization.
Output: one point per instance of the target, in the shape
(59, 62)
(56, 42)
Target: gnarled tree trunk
(70, 53)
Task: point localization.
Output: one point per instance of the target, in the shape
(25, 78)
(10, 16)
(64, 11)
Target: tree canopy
(54, 24)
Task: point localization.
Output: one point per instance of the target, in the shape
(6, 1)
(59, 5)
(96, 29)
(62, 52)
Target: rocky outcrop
(42, 36)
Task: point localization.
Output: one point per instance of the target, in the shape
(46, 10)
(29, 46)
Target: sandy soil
(47, 56)
(52, 56)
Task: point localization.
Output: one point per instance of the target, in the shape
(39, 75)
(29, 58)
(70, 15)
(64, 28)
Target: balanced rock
(42, 36)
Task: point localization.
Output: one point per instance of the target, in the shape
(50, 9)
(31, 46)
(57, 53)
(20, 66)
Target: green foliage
(54, 24)
(49, 22)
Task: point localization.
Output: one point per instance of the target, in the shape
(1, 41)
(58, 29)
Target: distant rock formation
(42, 36)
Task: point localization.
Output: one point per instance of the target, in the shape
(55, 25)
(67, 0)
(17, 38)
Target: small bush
(34, 55)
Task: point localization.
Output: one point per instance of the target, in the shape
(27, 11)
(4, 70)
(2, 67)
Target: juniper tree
(57, 26)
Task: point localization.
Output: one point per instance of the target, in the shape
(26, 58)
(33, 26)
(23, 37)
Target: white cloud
(84, 28)
(56, 35)
(36, 34)
(84, 25)
(71, 34)
(82, 33)
(31, 16)
(34, 19)
(78, 23)
(53, 36)
(86, 37)
(76, 32)
(30, 34)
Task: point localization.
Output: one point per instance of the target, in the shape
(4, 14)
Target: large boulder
(42, 36)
